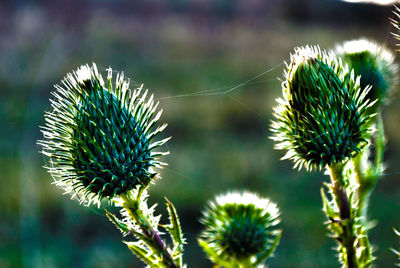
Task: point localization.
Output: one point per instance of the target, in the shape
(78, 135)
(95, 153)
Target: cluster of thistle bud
(329, 102)
(328, 118)
(99, 139)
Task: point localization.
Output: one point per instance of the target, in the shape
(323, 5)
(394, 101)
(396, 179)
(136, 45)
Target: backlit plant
(374, 64)
(327, 120)
(100, 140)
(240, 229)
(321, 119)
(99, 136)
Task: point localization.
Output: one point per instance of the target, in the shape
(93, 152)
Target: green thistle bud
(240, 228)
(321, 119)
(99, 137)
(374, 63)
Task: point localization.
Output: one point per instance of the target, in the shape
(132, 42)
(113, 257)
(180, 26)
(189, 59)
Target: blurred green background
(220, 141)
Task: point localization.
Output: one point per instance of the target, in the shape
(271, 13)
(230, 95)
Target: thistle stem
(346, 218)
(362, 190)
(368, 181)
(133, 208)
(379, 145)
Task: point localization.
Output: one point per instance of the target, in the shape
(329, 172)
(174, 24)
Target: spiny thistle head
(99, 135)
(374, 63)
(240, 227)
(322, 118)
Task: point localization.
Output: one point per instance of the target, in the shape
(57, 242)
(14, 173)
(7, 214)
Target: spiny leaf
(213, 255)
(142, 254)
(175, 230)
(123, 227)
(329, 211)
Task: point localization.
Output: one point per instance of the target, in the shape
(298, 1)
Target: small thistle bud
(240, 228)
(374, 63)
(98, 135)
(321, 119)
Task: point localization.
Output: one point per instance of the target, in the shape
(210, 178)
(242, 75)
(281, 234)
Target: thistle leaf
(175, 231)
(327, 207)
(123, 227)
(142, 254)
(213, 255)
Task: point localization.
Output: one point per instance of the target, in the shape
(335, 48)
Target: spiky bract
(374, 63)
(99, 136)
(240, 226)
(396, 251)
(396, 23)
(127, 220)
(321, 119)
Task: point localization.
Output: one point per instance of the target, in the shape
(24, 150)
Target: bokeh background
(195, 56)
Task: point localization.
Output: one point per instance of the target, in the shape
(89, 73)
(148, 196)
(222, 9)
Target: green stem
(379, 145)
(363, 191)
(368, 180)
(132, 206)
(346, 217)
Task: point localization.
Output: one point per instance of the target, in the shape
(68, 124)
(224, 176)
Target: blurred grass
(219, 142)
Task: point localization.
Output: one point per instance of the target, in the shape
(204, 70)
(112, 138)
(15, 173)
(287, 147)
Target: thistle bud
(374, 63)
(240, 228)
(322, 118)
(98, 136)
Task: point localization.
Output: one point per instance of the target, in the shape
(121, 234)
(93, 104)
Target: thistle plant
(375, 65)
(240, 230)
(99, 139)
(323, 121)
(101, 143)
